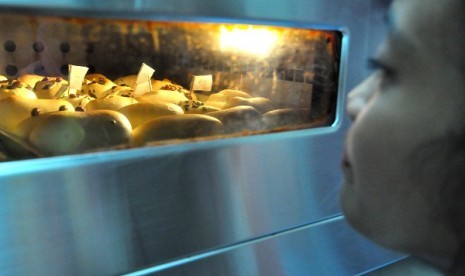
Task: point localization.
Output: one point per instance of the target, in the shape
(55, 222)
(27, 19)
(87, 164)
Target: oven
(255, 194)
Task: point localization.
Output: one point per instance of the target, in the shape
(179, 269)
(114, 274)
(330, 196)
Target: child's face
(414, 98)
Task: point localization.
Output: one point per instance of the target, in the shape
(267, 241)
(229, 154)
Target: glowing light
(257, 41)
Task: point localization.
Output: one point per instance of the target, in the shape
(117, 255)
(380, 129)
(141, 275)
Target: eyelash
(375, 65)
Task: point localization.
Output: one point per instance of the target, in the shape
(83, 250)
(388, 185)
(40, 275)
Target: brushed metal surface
(306, 250)
(114, 212)
(104, 213)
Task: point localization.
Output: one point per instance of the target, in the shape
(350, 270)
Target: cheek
(378, 146)
(378, 196)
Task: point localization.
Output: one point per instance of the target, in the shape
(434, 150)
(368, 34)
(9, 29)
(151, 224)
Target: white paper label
(76, 76)
(202, 83)
(143, 81)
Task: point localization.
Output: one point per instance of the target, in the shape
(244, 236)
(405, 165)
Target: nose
(358, 98)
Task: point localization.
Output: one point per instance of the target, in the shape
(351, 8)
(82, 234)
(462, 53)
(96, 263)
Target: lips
(345, 161)
(346, 169)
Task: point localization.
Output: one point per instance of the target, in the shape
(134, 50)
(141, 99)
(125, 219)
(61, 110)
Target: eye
(378, 65)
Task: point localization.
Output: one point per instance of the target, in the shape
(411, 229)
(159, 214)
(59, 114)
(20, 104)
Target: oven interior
(290, 75)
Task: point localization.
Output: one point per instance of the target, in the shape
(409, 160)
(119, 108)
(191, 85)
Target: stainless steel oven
(249, 201)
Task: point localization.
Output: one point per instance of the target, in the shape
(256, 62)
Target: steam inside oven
(297, 69)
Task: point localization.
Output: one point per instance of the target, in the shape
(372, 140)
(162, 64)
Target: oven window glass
(74, 85)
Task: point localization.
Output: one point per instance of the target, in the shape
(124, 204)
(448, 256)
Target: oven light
(257, 41)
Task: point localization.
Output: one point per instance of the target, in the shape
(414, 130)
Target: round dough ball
(17, 88)
(50, 87)
(176, 127)
(239, 119)
(99, 78)
(111, 102)
(125, 91)
(97, 86)
(141, 113)
(196, 107)
(30, 79)
(78, 100)
(286, 117)
(221, 98)
(14, 109)
(168, 96)
(261, 104)
(166, 85)
(128, 80)
(65, 132)
(57, 135)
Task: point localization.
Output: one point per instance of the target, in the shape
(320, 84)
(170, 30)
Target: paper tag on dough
(62, 90)
(76, 76)
(143, 81)
(202, 83)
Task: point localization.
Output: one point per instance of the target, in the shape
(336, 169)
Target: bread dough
(78, 100)
(14, 109)
(65, 132)
(221, 98)
(125, 91)
(239, 119)
(30, 79)
(261, 104)
(97, 86)
(286, 117)
(50, 87)
(110, 102)
(168, 96)
(176, 127)
(140, 113)
(196, 107)
(15, 87)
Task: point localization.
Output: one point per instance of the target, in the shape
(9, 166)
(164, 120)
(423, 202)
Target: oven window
(75, 85)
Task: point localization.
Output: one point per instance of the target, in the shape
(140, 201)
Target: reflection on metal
(11, 139)
(305, 250)
(120, 212)
(228, 248)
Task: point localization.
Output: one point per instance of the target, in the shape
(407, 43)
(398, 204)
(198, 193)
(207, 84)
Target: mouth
(345, 164)
(346, 168)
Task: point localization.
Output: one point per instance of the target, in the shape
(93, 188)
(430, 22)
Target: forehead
(429, 12)
(426, 44)
(437, 27)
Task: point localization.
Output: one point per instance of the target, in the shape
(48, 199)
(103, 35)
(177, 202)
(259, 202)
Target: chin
(349, 207)
(360, 219)
(368, 224)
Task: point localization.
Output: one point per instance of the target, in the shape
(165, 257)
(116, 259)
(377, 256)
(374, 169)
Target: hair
(446, 156)
(454, 190)
(458, 265)
(460, 37)
(448, 204)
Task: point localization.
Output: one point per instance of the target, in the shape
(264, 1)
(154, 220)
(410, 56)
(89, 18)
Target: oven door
(249, 205)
